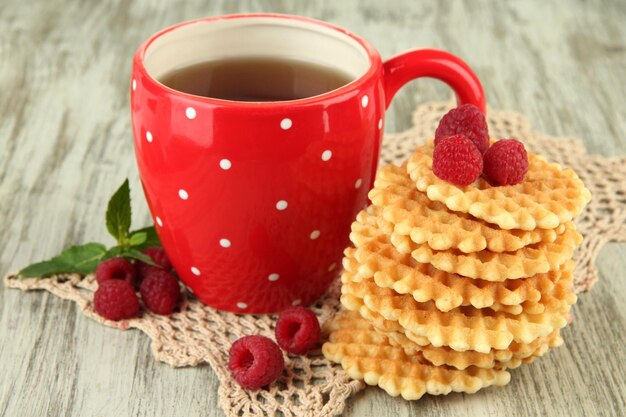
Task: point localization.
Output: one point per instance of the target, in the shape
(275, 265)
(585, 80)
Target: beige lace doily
(311, 386)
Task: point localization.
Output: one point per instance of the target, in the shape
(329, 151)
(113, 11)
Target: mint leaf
(140, 256)
(152, 239)
(81, 259)
(137, 238)
(128, 253)
(84, 258)
(118, 214)
(113, 252)
(43, 269)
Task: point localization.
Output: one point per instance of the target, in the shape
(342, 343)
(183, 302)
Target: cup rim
(374, 65)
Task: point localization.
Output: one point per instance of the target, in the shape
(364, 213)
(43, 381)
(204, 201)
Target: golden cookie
(413, 214)
(381, 324)
(353, 321)
(531, 260)
(548, 196)
(378, 259)
(350, 325)
(373, 359)
(490, 266)
(512, 357)
(464, 328)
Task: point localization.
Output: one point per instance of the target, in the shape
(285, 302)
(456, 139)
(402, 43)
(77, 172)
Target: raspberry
(467, 120)
(506, 162)
(115, 300)
(160, 291)
(457, 160)
(297, 330)
(255, 361)
(115, 268)
(158, 256)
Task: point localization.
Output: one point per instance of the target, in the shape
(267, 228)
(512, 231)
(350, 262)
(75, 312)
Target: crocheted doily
(310, 385)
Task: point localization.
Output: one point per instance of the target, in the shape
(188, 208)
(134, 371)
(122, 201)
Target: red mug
(253, 201)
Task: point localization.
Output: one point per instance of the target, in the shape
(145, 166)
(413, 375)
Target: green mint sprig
(83, 259)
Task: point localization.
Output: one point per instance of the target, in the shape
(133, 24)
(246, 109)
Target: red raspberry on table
(158, 256)
(116, 300)
(467, 120)
(506, 162)
(255, 361)
(160, 291)
(297, 330)
(116, 268)
(457, 160)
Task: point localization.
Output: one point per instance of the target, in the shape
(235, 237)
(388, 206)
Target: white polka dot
(358, 183)
(326, 155)
(296, 302)
(273, 277)
(332, 267)
(281, 205)
(149, 137)
(242, 305)
(159, 221)
(364, 101)
(286, 123)
(134, 84)
(190, 112)
(225, 243)
(183, 194)
(314, 234)
(380, 123)
(195, 271)
(225, 164)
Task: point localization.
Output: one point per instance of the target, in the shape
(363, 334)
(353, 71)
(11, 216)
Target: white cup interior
(259, 36)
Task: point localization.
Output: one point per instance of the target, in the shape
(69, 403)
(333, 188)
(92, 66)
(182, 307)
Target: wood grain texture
(65, 145)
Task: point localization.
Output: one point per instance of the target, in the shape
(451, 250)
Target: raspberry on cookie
(457, 160)
(467, 120)
(506, 162)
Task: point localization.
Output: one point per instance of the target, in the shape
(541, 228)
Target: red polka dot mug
(253, 200)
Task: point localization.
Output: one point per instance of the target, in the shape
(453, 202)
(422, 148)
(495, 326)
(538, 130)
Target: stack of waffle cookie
(447, 287)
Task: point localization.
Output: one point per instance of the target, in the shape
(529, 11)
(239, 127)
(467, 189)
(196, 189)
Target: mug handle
(433, 63)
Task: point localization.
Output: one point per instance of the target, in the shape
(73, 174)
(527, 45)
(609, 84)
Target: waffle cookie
(369, 356)
(511, 357)
(493, 266)
(548, 196)
(447, 287)
(391, 330)
(462, 329)
(378, 259)
(448, 291)
(413, 214)
(526, 262)
(351, 325)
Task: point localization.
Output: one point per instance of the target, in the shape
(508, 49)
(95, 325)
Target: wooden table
(65, 144)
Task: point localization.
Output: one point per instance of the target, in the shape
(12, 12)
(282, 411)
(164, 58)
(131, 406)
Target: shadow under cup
(253, 201)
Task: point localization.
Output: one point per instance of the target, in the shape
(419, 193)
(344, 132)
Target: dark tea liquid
(256, 79)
